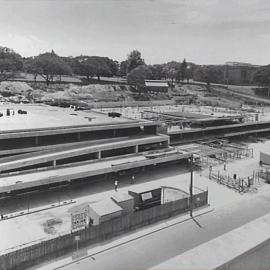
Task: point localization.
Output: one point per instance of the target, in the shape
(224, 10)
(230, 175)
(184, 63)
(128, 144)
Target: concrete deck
(39, 178)
(37, 158)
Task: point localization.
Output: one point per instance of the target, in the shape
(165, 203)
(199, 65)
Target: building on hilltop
(239, 73)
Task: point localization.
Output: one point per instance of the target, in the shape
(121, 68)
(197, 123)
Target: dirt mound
(92, 92)
(15, 87)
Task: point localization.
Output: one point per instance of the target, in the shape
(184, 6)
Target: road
(155, 248)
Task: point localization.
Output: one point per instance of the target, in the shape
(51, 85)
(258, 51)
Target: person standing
(225, 166)
(132, 179)
(210, 171)
(115, 185)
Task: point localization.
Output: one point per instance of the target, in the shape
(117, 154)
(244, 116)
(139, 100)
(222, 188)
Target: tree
(208, 74)
(29, 67)
(90, 66)
(158, 71)
(138, 75)
(134, 59)
(262, 76)
(184, 70)
(173, 70)
(123, 68)
(10, 61)
(49, 65)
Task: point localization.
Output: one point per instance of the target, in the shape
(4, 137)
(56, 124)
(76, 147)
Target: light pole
(191, 160)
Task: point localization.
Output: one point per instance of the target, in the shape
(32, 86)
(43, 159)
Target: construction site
(56, 161)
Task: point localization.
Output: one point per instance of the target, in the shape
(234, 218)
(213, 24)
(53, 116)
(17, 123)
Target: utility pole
(191, 185)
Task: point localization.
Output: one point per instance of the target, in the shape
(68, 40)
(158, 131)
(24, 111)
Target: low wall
(53, 248)
(131, 103)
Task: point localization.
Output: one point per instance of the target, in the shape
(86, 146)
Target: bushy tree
(123, 68)
(49, 65)
(208, 74)
(172, 70)
(10, 61)
(262, 76)
(90, 66)
(184, 70)
(158, 72)
(134, 60)
(30, 67)
(139, 74)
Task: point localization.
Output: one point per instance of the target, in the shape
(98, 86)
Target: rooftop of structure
(156, 83)
(105, 207)
(143, 189)
(44, 116)
(121, 197)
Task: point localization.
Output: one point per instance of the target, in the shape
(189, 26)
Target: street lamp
(191, 161)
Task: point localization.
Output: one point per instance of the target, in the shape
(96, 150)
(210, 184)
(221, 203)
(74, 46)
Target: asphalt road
(155, 248)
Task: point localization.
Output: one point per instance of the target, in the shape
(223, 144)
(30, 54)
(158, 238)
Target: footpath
(220, 252)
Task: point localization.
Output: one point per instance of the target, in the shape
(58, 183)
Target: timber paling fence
(23, 258)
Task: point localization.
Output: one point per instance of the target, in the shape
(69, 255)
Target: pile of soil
(15, 88)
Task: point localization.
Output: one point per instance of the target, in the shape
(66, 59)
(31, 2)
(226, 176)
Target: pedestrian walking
(132, 179)
(210, 171)
(115, 185)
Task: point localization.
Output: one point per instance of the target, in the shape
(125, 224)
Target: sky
(202, 31)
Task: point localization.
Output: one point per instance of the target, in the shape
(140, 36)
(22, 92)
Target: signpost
(79, 220)
(78, 253)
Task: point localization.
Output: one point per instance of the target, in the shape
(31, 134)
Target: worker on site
(115, 185)
(210, 171)
(132, 179)
(225, 166)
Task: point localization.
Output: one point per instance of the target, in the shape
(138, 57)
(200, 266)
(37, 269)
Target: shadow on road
(197, 222)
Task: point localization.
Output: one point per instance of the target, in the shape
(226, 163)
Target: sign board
(146, 196)
(79, 220)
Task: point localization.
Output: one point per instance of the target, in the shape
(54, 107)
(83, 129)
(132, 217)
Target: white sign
(146, 196)
(78, 220)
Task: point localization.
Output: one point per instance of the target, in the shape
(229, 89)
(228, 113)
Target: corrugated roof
(105, 207)
(156, 83)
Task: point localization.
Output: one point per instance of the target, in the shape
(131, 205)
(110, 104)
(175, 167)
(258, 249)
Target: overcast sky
(202, 31)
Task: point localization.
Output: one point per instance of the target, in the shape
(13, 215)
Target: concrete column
(114, 133)
(165, 144)
(54, 163)
(36, 140)
(98, 155)
(79, 136)
(136, 149)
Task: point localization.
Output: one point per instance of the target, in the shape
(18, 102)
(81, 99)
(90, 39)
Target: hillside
(214, 95)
